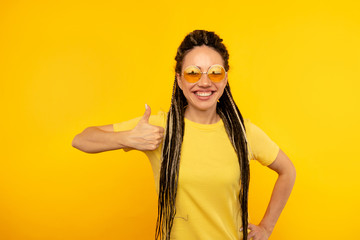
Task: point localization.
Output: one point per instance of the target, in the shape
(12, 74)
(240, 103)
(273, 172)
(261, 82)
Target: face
(202, 95)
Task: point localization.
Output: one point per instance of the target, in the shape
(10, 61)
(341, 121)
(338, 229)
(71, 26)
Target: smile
(204, 94)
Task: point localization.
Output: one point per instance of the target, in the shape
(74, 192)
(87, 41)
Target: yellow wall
(66, 66)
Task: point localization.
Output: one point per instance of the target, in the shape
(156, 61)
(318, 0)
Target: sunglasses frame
(207, 72)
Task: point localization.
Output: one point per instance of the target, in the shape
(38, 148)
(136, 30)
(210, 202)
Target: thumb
(146, 115)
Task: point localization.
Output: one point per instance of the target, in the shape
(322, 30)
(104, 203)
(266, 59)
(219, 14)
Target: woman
(201, 160)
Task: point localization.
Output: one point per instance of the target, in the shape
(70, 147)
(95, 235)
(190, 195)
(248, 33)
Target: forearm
(279, 197)
(95, 140)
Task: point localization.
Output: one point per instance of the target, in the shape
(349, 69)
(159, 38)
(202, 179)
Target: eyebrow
(199, 67)
(208, 67)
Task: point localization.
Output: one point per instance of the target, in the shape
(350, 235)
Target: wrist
(267, 227)
(122, 139)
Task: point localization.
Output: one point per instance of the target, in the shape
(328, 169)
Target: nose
(204, 80)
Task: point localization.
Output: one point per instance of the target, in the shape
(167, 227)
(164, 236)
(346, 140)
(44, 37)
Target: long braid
(169, 171)
(174, 133)
(234, 126)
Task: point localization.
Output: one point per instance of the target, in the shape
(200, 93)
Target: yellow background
(64, 66)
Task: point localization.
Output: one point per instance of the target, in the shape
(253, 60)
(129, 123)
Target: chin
(204, 107)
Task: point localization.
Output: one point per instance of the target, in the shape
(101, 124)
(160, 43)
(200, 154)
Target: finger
(146, 115)
(241, 229)
(162, 130)
(251, 235)
(161, 136)
(158, 131)
(251, 226)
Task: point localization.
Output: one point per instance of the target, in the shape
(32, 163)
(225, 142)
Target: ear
(179, 82)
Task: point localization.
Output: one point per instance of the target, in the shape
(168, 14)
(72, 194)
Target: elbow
(80, 145)
(289, 173)
(76, 143)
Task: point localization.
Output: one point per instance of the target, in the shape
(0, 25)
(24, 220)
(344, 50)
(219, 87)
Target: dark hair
(174, 133)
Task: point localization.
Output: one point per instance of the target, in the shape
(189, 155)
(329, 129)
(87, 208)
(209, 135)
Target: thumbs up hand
(145, 136)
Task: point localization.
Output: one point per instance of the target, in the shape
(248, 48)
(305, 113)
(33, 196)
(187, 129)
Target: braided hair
(174, 133)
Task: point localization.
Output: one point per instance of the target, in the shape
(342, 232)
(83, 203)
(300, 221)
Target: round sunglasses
(216, 73)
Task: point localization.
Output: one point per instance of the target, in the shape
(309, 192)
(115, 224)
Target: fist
(145, 136)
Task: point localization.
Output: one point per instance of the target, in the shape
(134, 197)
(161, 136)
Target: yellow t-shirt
(207, 205)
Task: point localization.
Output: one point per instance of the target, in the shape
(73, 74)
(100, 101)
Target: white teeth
(203, 94)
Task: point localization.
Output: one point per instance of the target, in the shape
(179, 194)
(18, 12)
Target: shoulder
(251, 128)
(263, 148)
(159, 119)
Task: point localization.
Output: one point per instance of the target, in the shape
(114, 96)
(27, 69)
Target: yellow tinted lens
(192, 74)
(216, 73)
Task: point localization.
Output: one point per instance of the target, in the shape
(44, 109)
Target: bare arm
(100, 139)
(143, 136)
(281, 192)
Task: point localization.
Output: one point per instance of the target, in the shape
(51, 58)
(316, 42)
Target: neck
(204, 117)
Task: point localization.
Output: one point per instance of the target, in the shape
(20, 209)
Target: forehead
(203, 57)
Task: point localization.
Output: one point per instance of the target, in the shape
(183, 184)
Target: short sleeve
(126, 125)
(264, 149)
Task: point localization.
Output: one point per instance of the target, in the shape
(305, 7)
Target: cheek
(221, 92)
(186, 87)
(221, 88)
